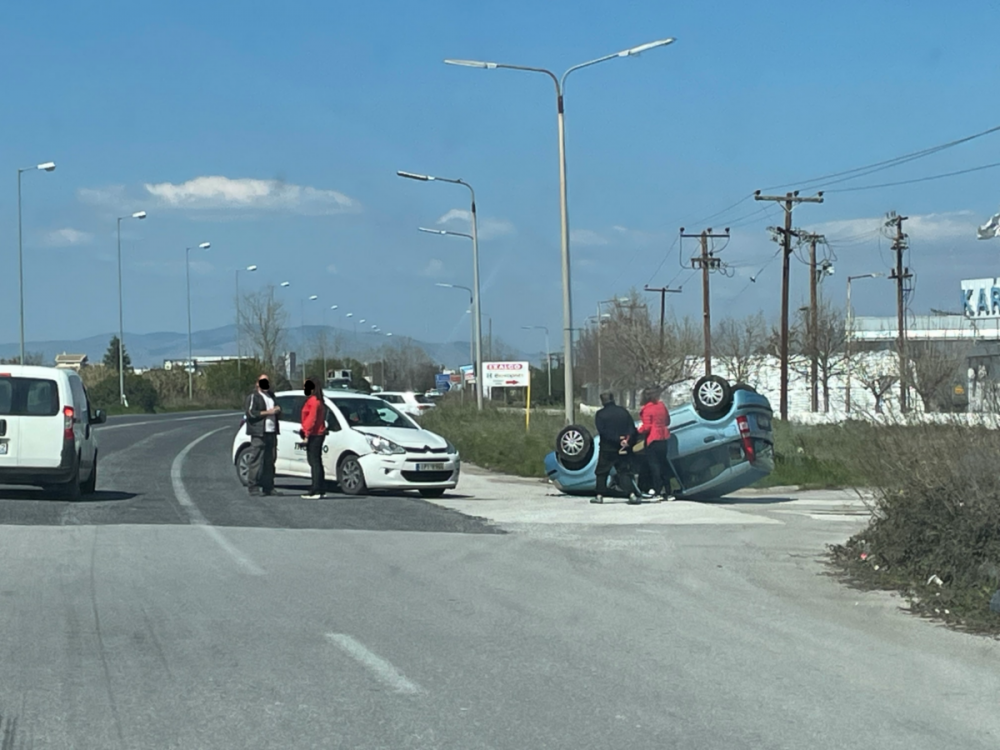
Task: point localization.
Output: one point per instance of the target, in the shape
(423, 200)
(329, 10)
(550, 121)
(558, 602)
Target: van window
(28, 397)
(79, 399)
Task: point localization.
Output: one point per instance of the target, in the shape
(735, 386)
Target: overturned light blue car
(720, 443)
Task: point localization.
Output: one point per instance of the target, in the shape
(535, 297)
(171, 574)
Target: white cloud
(434, 267)
(927, 227)
(489, 228)
(331, 268)
(586, 237)
(66, 237)
(217, 193)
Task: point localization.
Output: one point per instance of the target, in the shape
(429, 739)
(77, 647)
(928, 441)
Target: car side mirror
(98, 417)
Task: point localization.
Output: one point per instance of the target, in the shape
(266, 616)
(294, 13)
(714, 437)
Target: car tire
(70, 490)
(712, 396)
(432, 492)
(242, 464)
(574, 447)
(351, 477)
(90, 486)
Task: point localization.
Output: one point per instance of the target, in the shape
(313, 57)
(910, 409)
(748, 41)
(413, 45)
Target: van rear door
(9, 425)
(31, 409)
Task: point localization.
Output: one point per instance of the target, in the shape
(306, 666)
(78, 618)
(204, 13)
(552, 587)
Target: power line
(916, 179)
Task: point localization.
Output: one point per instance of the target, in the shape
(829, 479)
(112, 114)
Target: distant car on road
(47, 430)
(408, 402)
(369, 446)
(720, 443)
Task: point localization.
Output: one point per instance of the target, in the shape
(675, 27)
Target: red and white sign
(506, 374)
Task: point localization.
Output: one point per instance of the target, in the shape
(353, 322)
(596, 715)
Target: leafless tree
(828, 348)
(740, 344)
(877, 373)
(263, 325)
(407, 367)
(932, 367)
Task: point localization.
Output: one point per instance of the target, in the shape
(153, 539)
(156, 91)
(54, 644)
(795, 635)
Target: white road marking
(199, 520)
(382, 670)
(104, 428)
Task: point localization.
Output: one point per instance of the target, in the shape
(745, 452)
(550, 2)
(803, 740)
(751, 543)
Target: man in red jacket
(314, 432)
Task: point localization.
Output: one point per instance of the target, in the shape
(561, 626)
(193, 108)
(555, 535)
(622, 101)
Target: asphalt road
(172, 610)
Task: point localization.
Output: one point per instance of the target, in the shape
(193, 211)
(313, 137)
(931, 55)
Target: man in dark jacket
(262, 427)
(616, 430)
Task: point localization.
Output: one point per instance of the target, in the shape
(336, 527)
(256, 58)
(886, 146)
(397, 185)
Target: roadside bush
(141, 394)
(495, 438)
(935, 531)
(818, 456)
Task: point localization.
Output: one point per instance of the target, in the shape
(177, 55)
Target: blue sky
(275, 130)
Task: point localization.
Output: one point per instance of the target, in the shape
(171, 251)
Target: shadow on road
(38, 495)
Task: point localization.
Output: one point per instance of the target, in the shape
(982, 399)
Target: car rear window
(28, 397)
(422, 399)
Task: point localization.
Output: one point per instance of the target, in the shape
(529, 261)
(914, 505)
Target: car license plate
(430, 467)
(3, 447)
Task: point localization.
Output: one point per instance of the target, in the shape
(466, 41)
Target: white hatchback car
(46, 430)
(408, 402)
(369, 446)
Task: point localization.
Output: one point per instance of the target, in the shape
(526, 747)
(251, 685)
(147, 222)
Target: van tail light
(68, 419)
(423, 406)
(744, 426)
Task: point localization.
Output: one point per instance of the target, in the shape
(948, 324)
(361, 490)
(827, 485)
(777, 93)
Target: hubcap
(244, 466)
(710, 393)
(352, 474)
(572, 443)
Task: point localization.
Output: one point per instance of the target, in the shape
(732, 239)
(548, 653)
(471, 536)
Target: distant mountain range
(151, 349)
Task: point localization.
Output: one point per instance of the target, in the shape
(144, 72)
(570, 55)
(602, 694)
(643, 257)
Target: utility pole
(900, 274)
(663, 292)
(707, 262)
(788, 201)
(813, 332)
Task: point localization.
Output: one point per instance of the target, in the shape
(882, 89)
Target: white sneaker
(650, 494)
(312, 497)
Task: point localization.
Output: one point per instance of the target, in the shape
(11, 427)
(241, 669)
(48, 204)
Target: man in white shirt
(262, 427)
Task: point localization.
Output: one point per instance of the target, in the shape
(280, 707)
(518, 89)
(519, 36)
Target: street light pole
(48, 166)
(239, 323)
(849, 331)
(560, 84)
(548, 353)
(476, 304)
(187, 270)
(471, 303)
(121, 317)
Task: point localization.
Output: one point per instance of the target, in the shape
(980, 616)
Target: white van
(46, 430)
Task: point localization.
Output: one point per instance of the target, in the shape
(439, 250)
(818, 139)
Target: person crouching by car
(262, 427)
(616, 430)
(655, 430)
(314, 433)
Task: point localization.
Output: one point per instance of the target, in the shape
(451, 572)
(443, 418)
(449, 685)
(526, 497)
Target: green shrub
(142, 396)
(818, 456)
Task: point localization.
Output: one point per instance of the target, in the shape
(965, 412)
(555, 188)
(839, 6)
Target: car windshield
(370, 412)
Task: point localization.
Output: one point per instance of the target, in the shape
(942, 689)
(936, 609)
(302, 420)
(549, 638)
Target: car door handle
(710, 439)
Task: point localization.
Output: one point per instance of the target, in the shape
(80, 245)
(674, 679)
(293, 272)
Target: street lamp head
(251, 268)
(413, 175)
(48, 166)
(286, 284)
(350, 315)
(441, 283)
(313, 297)
(432, 231)
(362, 320)
(205, 245)
(388, 334)
(333, 307)
(374, 328)
(139, 215)
(645, 47)
(472, 64)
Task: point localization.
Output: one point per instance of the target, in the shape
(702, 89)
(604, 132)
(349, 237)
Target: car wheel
(351, 477)
(712, 396)
(90, 486)
(574, 447)
(243, 465)
(432, 492)
(70, 490)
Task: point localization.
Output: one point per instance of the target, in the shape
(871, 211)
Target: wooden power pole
(663, 292)
(813, 332)
(788, 201)
(900, 274)
(707, 262)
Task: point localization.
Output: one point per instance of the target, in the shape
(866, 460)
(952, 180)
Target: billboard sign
(506, 374)
(981, 298)
(442, 381)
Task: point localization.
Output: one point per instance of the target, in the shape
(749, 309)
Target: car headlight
(384, 446)
(452, 450)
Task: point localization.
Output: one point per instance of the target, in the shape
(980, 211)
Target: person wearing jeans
(262, 426)
(655, 428)
(314, 433)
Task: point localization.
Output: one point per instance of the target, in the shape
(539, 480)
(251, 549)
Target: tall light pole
(471, 304)
(239, 324)
(325, 311)
(560, 84)
(850, 331)
(121, 316)
(548, 352)
(187, 270)
(476, 304)
(48, 166)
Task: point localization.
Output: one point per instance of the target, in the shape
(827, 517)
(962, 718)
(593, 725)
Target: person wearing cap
(314, 432)
(262, 427)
